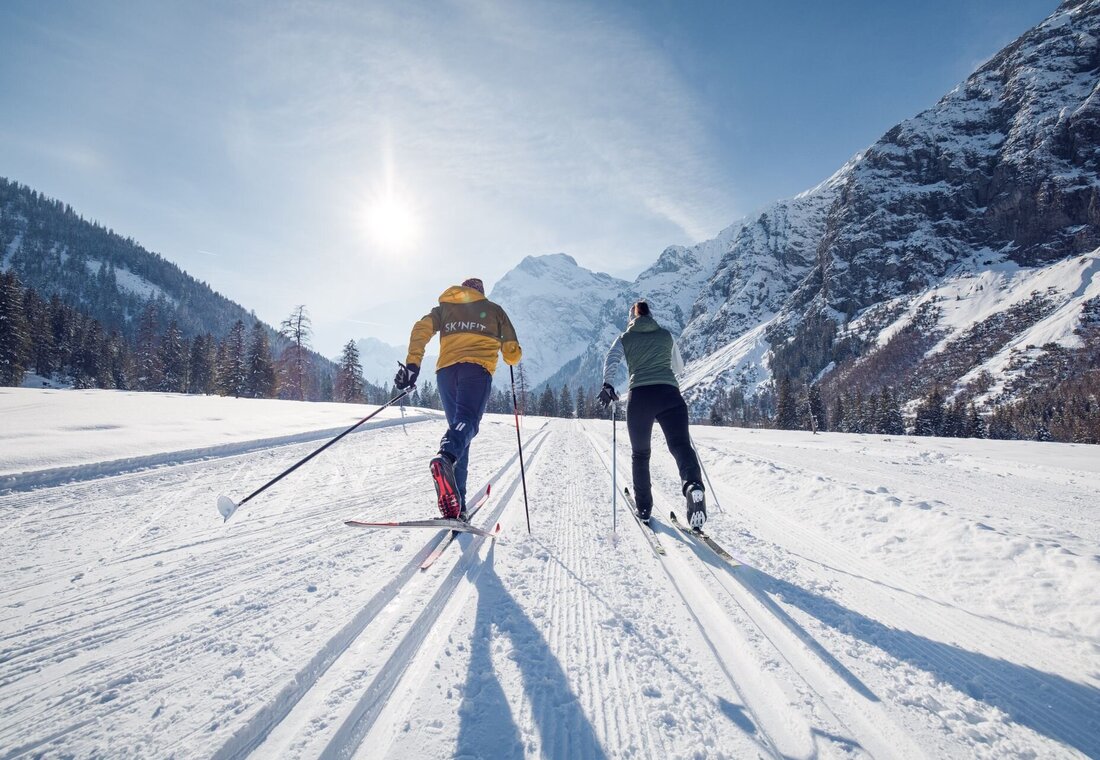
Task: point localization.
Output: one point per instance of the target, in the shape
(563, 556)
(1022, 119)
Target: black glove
(607, 395)
(406, 376)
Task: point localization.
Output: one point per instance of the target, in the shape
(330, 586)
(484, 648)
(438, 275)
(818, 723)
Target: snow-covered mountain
(986, 196)
(57, 252)
(379, 360)
(670, 285)
(1002, 172)
(556, 307)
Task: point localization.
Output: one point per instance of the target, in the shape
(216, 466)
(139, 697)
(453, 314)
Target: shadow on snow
(487, 727)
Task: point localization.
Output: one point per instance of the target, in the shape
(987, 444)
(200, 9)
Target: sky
(359, 157)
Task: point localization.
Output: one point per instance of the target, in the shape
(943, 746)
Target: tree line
(64, 344)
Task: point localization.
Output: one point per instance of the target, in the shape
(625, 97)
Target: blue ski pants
(464, 390)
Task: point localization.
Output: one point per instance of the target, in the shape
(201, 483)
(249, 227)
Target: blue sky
(359, 157)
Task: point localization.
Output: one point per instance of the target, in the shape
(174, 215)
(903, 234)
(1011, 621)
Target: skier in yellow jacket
(472, 331)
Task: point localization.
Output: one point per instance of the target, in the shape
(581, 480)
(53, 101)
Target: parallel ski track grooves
(355, 727)
(1039, 705)
(770, 743)
(250, 736)
(154, 605)
(577, 625)
(820, 678)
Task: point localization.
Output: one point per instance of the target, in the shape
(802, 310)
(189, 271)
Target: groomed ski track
(132, 627)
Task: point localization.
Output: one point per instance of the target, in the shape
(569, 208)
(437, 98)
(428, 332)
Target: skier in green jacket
(653, 361)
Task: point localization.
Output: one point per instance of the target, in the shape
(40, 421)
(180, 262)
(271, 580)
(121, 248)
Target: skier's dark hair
(640, 309)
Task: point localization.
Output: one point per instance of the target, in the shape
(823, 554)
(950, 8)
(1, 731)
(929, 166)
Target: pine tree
(548, 403)
(348, 386)
(930, 414)
(200, 374)
(817, 409)
(975, 424)
(146, 355)
(39, 333)
(429, 395)
(172, 358)
(260, 379)
(786, 413)
(893, 422)
(87, 367)
(565, 402)
(14, 333)
(581, 405)
(231, 362)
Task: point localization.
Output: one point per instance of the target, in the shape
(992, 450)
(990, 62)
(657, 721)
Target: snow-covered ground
(901, 597)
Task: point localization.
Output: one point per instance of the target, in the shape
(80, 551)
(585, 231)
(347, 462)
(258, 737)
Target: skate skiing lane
(826, 678)
(1018, 666)
(279, 713)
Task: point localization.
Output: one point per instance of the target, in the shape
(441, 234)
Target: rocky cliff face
(987, 191)
(1002, 171)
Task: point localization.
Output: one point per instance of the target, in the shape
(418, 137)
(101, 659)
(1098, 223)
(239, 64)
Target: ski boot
(696, 505)
(644, 513)
(446, 492)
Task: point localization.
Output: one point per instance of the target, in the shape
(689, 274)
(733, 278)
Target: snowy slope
(903, 598)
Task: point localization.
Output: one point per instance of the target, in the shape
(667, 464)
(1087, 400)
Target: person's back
(653, 361)
(472, 331)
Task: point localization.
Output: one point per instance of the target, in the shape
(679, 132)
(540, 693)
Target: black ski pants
(664, 404)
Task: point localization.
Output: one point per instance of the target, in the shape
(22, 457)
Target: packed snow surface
(899, 597)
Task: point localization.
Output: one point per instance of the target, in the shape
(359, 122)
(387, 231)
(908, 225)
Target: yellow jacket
(471, 329)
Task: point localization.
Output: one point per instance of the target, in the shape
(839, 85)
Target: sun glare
(392, 222)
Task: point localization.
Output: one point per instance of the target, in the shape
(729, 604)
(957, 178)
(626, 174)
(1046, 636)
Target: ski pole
(519, 440)
(227, 506)
(705, 475)
(614, 463)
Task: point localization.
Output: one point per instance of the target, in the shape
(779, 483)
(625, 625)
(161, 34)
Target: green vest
(648, 350)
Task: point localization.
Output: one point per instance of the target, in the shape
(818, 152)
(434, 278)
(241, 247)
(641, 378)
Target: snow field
(906, 598)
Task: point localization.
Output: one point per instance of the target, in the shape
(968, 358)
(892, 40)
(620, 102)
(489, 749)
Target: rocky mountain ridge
(992, 191)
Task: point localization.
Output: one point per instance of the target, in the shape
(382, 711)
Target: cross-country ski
(550, 381)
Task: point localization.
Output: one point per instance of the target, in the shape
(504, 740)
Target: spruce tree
(348, 386)
(565, 402)
(172, 358)
(975, 424)
(200, 373)
(786, 413)
(39, 333)
(930, 414)
(231, 362)
(14, 333)
(146, 354)
(893, 422)
(837, 422)
(817, 409)
(548, 403)
(581, 406)
(260, 380)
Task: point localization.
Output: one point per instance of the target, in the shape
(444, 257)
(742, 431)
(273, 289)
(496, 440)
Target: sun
(393, 222)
